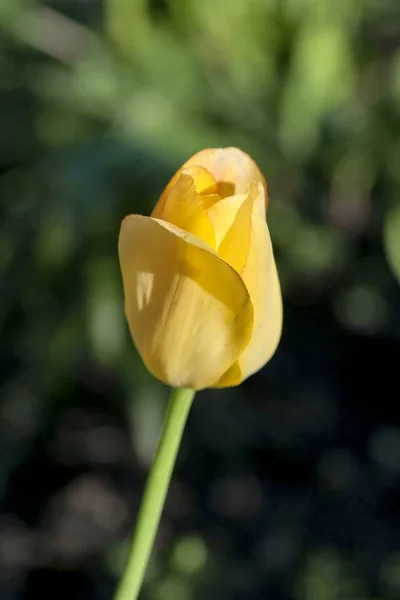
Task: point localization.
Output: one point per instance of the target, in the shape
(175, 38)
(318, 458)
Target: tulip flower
(203, 303)
(202, 294)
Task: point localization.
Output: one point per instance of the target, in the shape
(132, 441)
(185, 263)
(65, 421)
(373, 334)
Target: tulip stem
(155, 493)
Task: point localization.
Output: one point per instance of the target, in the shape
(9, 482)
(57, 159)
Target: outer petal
(189, 312)
(260, 276)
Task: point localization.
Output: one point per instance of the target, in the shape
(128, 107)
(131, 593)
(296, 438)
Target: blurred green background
(287, 487)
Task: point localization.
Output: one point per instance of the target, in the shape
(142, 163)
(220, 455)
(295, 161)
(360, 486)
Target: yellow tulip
(202, 294)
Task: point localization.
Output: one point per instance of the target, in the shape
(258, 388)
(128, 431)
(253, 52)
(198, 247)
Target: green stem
(155, 493)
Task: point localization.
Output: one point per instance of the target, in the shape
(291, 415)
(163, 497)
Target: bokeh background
(287, 487)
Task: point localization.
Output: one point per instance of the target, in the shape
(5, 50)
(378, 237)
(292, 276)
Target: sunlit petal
(189, 312)
(261, 279)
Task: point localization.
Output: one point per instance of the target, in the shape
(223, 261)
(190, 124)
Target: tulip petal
(260, 276)
(184, 207)
(204, 184)
(189, 312)
(232, 220)
(223, 214)
(203, 181)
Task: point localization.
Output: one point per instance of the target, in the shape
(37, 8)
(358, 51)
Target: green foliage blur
(100, 102)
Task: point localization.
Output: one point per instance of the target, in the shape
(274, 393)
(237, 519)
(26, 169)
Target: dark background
(287, 487)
